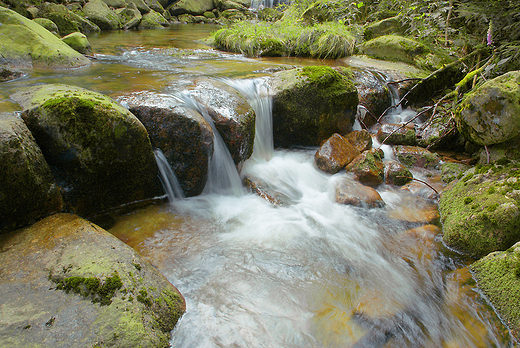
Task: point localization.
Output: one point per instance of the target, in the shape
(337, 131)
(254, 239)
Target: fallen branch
(421, 181)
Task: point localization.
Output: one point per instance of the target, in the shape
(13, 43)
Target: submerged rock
(491, 113)
(368, 167)
(27, 188)
(480, 212)
(233, 116)
(350, 192)
(310, 104)
(66, 282)
(24, 43)
(99, 152)
(335, 154)
(183, 135)
(262, 189)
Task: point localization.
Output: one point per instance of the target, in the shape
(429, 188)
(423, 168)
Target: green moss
(143, 298)
(100, 291)
(468, 200)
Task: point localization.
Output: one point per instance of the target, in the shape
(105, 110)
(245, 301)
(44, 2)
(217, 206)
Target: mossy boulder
(27, 188)
(130, 16)
(368, 168)
(233, 116)
(402, 49)
(396, 134)
(24, 43)
(415, 156)
(99, 152)
(99, 13)
(68, 21)
(223, 5)
(155, 5)
(498, 277)
(500, 153)
(115, 3)
(480, 212)
(66, 275)
(79, 42)
(310, 104)
(153, 20)
(491, 113)
(335, 154)
(396, 173)
(192, 7)
(451, 171)
(183, 135)
(49, 25)
(392, 25)
(141, 5)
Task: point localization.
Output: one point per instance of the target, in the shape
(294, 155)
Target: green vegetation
(100, 291)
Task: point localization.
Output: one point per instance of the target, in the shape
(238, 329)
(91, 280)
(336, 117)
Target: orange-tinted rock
(361, 140)
(396, 173)
(351, 192)
(413, 209)
(368, 167)
(335, 154)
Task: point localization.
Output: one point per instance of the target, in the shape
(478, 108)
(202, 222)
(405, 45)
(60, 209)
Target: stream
(310, 273)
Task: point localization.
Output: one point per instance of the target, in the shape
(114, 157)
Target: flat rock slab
(48, 274)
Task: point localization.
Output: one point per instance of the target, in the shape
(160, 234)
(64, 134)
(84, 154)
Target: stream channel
(313, 273)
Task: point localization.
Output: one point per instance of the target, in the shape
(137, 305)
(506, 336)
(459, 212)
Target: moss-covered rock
(68, 21)
(491, 113)
(79, 42)
(368, 167)
(27, 188)
(155, 5)
(396, 134)
(396, 173)
(415, 156)
(99, 152)
(49, 25)
(361, 139)
(310, 104)
(480, 212)
(387, 26)
(153, 20)
(498, 277)
(99, 13)
(25, 43)
(192, 7)
(233, 116)
(223, 5)
(115, 3)
(451, 171)
(335, 154)
(66, 275)
(183, 135)
(141, 5)
(130, 16)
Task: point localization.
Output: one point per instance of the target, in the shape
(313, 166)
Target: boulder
(68, 21)
(374, 94)
(503, 152)
(480, 211)
(99, 13)
(24, 43)
(99, 152)
(233, 116)
(310, 104)
(392, 25)
(49, 25)
(155, 5)
(130, 16)
(350, 192)
(368, 167)
(396, 134)
(414, 156)
(223, 5)
(452, 171)
(335, 154)
(115, 3)
(183, 135)
(497, 276)
(396, 173)
(79, 42)
(192, 7)
(361, 140)
(153, 20)
(27, 188)
(68, 283)
(491, 113)
(186, 18)
(141, 5)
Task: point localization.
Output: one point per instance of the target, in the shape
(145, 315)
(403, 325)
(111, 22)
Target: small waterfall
(168, 179)
(259, 4)
(223, 176)
(256, 92)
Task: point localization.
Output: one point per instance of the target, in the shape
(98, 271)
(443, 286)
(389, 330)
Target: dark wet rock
(7, 74)
(99, 13)
(368, 167)
(183, 135)
(396, 173)
(350, 192)
(78, 42)
(24, 43)
(361, 140)
(396, 134)
(374, 95)
(437, 135)
(100, 153)
(415, 156)
(491, 113)
(49, 25)
(262, 189)
(153, 20)
(480, 211)
(497, 277)
(310, 104)
(192, 7)
(68, 21)
(233, 116)
(335, 154)
(27, 188)
(68, 283)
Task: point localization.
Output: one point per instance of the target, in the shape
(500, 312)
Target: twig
(406, 123)
(421, 181)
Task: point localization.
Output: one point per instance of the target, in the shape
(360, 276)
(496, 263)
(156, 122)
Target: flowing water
(308, 273)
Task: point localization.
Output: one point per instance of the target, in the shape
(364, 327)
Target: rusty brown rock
(351, 192)
(361, 140)
(368, 167)
(335, 154)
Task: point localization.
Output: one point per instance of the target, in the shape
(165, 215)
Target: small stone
(335, 154)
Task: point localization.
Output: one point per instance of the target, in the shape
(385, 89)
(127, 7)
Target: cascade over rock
(233, 116)
(183, 135)
(491, 113)
(99, 152)
(27, 188)
(310, 104)
(68, 283)
(24, 43)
